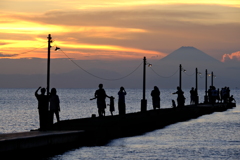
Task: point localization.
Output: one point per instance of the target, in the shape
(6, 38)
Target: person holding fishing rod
(100, 95)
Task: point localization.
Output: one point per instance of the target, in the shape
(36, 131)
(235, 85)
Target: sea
(210, 137)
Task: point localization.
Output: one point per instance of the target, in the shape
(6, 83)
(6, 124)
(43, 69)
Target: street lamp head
(57, 48)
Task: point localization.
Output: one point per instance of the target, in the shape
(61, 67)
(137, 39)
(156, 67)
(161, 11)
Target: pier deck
(99, 130)
(21, 144)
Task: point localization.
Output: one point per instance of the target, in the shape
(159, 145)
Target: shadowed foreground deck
(99, 130)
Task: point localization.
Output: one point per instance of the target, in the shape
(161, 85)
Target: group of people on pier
(213, 96)
(101, 96)
(220, 96)
(48, 105)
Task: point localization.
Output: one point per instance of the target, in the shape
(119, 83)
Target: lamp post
(212, 76)
(48, 63)
(144, 101)
(180, 76)
(206, 97)
(196, 89)
(50, 116)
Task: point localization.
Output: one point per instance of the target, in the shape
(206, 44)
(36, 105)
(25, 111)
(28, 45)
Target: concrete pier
(23, 144)
(100, 130)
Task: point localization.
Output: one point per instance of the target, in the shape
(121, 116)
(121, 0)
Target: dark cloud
(128, 17)
(7, 55)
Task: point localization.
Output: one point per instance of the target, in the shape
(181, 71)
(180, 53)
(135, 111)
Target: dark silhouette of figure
(192, 96)
(180, 98)
(100, 95)
(214, 94)
(42, 108)
(121, 101)
(231, 99)
(218, 95)
(210, 98)
(155, 97)
(225, 94)
(54, 104)
(111, 106)
(173, 104)
(228, 94)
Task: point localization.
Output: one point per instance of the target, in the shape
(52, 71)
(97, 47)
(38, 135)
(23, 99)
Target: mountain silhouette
(189, 54)
(190, 58)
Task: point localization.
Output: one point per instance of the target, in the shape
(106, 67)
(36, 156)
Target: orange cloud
(232, 56)
(38, 49)
(90, 51)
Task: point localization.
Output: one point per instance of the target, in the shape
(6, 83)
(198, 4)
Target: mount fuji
(190, 56)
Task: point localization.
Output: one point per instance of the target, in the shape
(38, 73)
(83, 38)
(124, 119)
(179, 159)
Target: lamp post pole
(212, 79)
(50, 116)
(144, 101)
(206, 97)
(48, 63)
(180, 76)
(196, 89)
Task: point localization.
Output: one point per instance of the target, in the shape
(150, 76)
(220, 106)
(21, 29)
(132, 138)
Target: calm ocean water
(215, 136)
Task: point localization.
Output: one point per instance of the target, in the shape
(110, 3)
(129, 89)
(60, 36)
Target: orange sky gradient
(112, 29)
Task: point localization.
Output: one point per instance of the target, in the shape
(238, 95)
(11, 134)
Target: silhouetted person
(218, 95)
(214, 94)
(155, 97)
(210, 97)
(228, 92)
(180, 98)
(192, 96)
(173, 104)
(231, 99)
(54, 104)
(121, 101)
(111, 107)
(42, 108)
(100, 95)
(224, 94)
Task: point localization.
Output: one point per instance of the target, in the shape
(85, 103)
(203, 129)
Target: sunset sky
(111, 29)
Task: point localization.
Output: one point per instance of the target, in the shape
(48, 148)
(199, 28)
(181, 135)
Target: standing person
(54, 104)
(210, 97)
(111, 107)
(42, 108)
(121, 101)
(180, 98)
(192, 96)
(100, 95)
(214, 95)
(155, 97)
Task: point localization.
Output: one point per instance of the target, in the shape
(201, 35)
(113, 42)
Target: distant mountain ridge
(189, 54)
